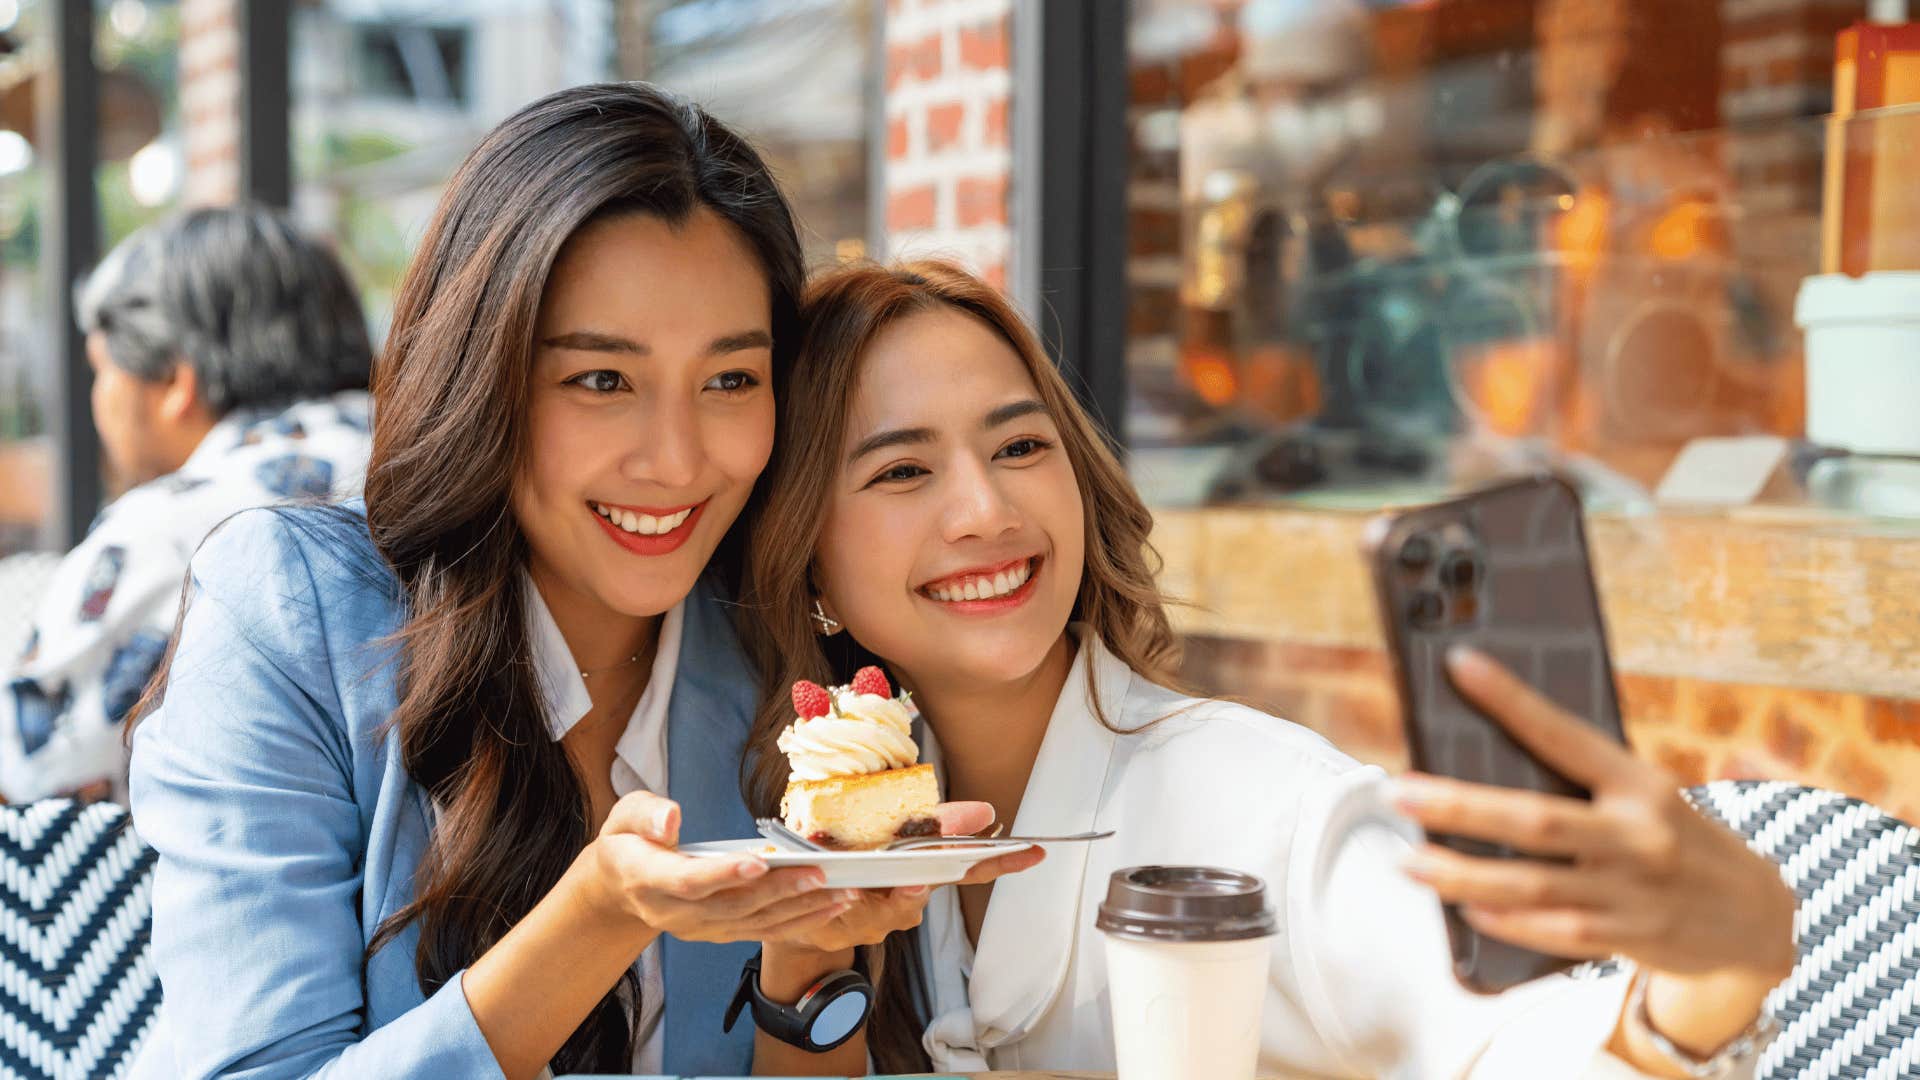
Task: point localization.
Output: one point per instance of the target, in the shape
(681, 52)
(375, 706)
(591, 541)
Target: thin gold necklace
(635, 658)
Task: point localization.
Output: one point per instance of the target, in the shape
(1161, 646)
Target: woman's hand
(1644, 877)
(875, 913)
(639, 876)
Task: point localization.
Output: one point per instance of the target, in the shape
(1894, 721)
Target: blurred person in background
(230, 366)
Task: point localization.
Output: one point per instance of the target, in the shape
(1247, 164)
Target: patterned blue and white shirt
(102, 625)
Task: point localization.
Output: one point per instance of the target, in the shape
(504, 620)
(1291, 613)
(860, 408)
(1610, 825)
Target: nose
(667, 450)
(979, 509)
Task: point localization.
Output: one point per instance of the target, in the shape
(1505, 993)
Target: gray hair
(263, 315)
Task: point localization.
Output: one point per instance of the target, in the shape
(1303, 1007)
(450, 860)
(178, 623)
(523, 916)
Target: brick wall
(210, 100)
(949, 157)
(1698, 730)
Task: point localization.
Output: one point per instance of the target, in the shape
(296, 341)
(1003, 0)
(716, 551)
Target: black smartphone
(1506, 571)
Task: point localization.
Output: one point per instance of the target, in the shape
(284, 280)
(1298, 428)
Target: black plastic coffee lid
(1185, 903)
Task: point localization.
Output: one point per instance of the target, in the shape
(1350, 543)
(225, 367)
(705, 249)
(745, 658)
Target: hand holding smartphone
(1504, 571)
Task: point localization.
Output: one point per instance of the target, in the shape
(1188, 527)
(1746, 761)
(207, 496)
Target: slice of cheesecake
(865, 810)
(854, 782)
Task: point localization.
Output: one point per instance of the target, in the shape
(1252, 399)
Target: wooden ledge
(1768, 598)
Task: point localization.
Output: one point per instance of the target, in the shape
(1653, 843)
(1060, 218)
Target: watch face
(839, 1019)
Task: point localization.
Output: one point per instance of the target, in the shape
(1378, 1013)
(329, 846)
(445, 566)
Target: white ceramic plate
(867, 869)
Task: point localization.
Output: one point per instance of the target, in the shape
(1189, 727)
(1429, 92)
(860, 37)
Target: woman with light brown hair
(939, 503)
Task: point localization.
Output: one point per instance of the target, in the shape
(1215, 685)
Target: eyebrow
(921, 435)
(595, 341)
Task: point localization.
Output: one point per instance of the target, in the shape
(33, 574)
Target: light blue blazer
(288, 829)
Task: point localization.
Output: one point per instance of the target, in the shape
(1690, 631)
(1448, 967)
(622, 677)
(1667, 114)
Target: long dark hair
(845, 310)
(449, 433)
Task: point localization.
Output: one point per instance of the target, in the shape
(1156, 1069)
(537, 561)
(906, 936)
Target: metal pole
(68, 123)
(266, 98)
(1081, 221)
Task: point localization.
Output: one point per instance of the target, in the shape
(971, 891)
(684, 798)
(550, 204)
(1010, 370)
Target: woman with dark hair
(408, 771)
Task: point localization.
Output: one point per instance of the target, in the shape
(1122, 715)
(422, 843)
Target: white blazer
(1361, 982)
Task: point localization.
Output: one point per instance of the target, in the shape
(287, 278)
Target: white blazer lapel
(1032, 925)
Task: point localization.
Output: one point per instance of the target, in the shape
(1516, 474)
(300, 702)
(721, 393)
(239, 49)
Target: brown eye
(732, 382)
(603, 381)
(1020, 448)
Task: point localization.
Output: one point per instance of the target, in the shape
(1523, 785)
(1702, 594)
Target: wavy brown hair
(449, 435)
(843, 312)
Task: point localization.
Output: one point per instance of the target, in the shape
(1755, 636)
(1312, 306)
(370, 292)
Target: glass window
(390, 95)
(136, 47)
(1382, 248)
(26, 463)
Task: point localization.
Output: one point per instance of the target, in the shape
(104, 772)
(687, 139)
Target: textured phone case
(1504, 570)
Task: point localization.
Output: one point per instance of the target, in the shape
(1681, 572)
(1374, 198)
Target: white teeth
(643, 524)
(985, 588)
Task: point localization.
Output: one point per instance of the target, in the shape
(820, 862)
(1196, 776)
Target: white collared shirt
(639, 764)
(1361, 981)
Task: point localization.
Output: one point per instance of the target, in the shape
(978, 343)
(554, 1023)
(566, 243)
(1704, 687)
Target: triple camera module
(1446, 570)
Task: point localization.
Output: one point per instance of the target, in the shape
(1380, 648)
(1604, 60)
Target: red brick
(1153, 232)
(1894, 722)
(995, 133)
(1689, 767)
(995, 275)
(984, 47)
(1854, 772)
(1201, 69)
(918, 59)
(1793, 71)
(1788, 739)
(1152, 84)
(1152, 311)
(1364, 723)
(1645, 699)
(943, 125)
(981, 201)
(912, 208)
(897, 140)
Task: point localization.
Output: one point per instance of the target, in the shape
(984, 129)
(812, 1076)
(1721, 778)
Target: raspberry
(871, 680)
(810, 700)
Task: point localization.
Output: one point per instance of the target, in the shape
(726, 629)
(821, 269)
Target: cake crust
(866, 810)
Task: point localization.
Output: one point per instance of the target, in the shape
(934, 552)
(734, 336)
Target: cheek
(740, 443)
(551, 444)
(865, 560)
(1061, 509)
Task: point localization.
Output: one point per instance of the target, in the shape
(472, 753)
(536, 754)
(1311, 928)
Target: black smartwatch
(828, 1014)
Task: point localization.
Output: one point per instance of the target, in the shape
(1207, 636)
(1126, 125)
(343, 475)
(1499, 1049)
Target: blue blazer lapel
(708, 722)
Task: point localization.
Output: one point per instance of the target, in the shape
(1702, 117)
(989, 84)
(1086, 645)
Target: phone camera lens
(1460, 570)
(1426, 609)
(1417, 553)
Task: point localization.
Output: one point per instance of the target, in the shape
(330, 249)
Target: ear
(180, 396)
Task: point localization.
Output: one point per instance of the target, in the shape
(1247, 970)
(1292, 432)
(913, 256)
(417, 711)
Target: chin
(998, 662)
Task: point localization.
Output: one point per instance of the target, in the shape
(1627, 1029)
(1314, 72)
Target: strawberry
(871, 680)
(811, 700)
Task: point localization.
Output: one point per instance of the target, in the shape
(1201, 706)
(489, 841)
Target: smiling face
(954, 539)
(651, 411)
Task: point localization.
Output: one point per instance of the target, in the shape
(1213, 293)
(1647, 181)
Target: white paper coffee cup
(1188, 950)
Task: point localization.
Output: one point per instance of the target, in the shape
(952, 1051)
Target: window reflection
(390, 95)
(1385, 248)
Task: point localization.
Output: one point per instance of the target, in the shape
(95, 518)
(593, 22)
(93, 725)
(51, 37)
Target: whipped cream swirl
(865, 733)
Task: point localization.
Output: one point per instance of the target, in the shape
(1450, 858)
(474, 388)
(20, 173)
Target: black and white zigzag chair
(77, 989)
(1852, 1007)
